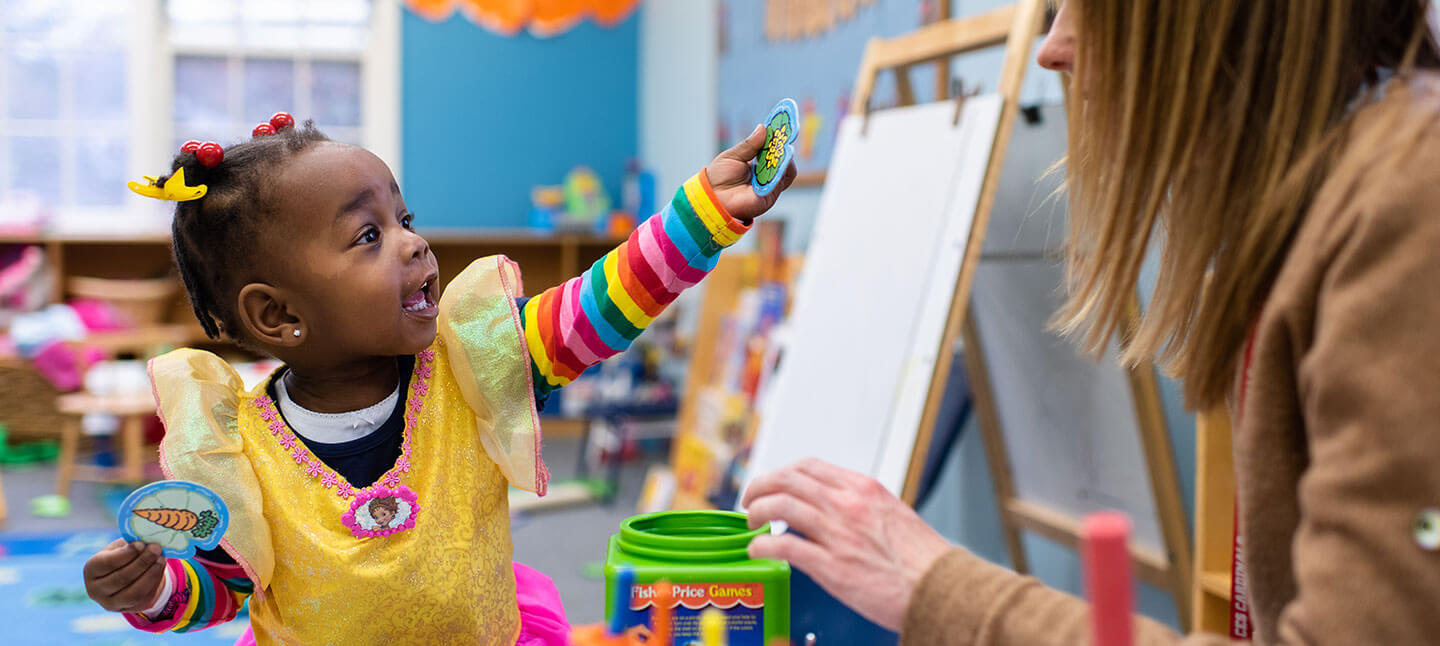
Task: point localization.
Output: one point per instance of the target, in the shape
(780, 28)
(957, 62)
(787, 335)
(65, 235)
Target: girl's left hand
(730, 177)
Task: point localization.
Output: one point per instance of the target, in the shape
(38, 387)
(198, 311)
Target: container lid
(699, 535)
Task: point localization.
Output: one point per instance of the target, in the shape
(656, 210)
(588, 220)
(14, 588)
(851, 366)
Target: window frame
(151, 90)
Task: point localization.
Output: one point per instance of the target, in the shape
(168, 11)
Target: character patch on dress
(381, 511)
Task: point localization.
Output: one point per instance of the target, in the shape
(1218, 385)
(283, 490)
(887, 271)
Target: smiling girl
(302, 248)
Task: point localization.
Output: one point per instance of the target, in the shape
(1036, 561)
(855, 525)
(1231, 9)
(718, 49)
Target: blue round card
(178, 516)
(782, 128)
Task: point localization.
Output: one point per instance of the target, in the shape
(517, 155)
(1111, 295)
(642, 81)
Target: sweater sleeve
(205, 593)
(964, 599)
(598, 314)
(1367, 549)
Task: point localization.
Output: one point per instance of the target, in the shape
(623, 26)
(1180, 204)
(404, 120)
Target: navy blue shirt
(362, 461)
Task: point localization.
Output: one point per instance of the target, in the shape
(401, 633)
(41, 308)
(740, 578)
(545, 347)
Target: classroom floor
(41, 558)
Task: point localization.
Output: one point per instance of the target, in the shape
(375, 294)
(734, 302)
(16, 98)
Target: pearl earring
(297, 332)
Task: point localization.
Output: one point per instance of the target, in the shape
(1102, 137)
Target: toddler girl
(301, 248)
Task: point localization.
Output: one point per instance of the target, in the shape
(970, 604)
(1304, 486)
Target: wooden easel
(1016, 27)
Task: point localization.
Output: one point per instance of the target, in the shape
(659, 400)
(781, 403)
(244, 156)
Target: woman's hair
(389, 504)
(215, 238)
(1216, 120)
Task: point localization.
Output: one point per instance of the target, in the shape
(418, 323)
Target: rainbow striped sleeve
(597, 315)
(206, 593)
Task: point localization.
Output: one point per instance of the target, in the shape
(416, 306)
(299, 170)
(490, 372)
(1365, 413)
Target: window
(94, 93)
(236, 62)
(65, 117)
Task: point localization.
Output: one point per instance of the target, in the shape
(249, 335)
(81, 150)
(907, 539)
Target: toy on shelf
(579, 205)
(178, 516)
(586, 204)
(547, 206)
(782, 127)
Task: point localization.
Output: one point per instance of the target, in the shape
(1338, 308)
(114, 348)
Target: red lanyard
(1240, 626)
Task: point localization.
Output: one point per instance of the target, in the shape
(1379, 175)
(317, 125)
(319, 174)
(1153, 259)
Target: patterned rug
(40, 580)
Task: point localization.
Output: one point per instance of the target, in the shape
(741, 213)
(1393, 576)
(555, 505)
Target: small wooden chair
(132, 409)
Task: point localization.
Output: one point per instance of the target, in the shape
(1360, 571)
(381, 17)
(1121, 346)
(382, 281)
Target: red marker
(1108, 586)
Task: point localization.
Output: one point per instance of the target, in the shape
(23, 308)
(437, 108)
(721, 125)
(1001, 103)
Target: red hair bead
(282, 120)
(262, 130)
(210, 154)
(190, 146)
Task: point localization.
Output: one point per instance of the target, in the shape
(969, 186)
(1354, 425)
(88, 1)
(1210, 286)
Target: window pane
(350, 12)
(30, 19)
(187, 13)
(335, 93)
(201, 90)
(100, 166)
(34, 85)
(99, 79)
(327, 37)
(72, 24)
(269, 88)
(342, 134)
(35, 167)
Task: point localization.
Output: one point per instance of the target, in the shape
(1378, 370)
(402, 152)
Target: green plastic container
(702, 554)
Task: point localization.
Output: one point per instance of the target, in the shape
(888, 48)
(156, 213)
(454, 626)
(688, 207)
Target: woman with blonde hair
(1286, 155)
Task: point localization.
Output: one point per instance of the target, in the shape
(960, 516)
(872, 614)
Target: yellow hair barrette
(208, 153)
(174, 189)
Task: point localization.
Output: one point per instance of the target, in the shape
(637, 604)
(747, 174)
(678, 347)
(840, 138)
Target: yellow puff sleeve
(484, 343)
(198, 397)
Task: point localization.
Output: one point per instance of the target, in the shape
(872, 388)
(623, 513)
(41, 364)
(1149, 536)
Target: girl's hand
(862, 544)
(125, 577)
(730, 177)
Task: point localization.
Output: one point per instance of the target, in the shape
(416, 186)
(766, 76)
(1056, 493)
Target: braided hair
(215, 238)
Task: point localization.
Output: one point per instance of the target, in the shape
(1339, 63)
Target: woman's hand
(730, 177)
(125, 577)
(861, 543)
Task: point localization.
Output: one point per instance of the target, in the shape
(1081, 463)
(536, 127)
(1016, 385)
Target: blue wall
(485, 117)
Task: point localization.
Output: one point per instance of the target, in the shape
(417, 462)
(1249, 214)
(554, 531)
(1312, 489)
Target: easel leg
(995, 454)
(69, 444)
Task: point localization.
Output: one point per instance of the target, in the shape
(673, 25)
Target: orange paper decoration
(541, 17)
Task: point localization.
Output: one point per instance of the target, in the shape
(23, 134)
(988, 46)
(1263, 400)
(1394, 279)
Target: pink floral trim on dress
(386, 500)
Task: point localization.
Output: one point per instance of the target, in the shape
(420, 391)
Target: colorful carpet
(41, 588)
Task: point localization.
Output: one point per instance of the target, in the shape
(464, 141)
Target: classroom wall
(677, 89)
(484, 118)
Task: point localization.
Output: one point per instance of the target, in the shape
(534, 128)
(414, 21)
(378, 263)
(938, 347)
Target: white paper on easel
(871, 305)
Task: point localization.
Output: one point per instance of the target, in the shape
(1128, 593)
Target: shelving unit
(1214, 522)
(545, 259)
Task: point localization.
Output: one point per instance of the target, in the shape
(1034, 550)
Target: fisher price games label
(743, 604)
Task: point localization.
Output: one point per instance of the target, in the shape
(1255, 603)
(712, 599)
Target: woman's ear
(267, 318)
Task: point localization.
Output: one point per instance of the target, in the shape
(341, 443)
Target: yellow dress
(433, 562)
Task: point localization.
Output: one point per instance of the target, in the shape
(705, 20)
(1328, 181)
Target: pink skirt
(542, 615)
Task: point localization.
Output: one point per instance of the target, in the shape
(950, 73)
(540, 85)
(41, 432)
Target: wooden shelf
(1216, 584)
(545, 258)
(455, 235)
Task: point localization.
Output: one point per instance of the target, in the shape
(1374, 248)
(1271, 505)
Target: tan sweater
(1337, 449)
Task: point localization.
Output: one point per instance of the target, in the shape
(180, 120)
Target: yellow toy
(174, 189)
